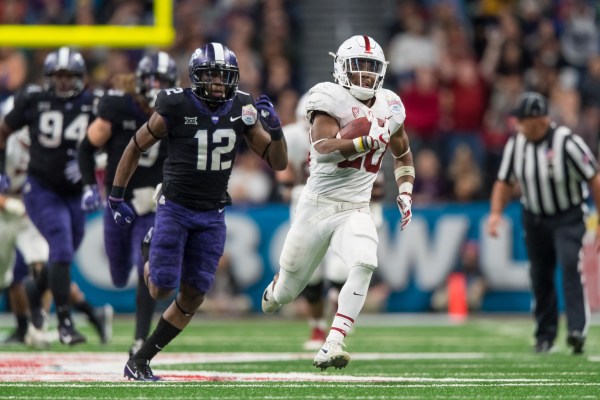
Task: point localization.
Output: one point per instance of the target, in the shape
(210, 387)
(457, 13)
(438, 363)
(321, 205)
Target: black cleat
(139, 370)
(14, 338)
(69, 335)
(146, 245)
(575, 340)
(543, 346)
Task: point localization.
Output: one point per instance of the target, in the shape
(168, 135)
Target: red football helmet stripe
(367, 44)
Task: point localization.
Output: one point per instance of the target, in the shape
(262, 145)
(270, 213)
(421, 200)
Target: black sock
(162, 336)
(34, 298)
(21, 324)
(60, 284)
(88, 310)
(144, 304)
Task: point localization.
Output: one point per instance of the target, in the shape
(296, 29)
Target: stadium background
(457, 65)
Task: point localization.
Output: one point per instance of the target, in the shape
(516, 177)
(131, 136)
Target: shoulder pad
(244, 98)
(395, 106)
(171, 96)
(325, 97)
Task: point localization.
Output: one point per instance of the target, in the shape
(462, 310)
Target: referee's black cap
(530, 105)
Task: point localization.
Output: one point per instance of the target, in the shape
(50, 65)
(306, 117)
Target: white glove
(404, 201)
(379, 134)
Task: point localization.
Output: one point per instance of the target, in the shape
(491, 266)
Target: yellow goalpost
(161, 34)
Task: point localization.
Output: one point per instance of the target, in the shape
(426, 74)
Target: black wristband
(276, 133)
(3, 161)
(117, 192)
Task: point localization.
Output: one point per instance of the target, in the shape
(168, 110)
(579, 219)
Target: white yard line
(108, 367)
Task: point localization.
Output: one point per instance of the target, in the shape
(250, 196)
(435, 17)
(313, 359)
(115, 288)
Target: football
(357, 128)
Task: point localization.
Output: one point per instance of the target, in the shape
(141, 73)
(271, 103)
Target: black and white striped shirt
(552, 173)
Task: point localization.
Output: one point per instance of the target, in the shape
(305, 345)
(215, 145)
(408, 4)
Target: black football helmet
(155, 72)
(214, 73)
(64, 70)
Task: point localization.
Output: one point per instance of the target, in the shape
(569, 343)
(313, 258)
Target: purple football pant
(186, 246)
(123, 246)
(20, 270)
(60, 220)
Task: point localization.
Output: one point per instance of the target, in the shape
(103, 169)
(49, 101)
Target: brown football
(357, 128)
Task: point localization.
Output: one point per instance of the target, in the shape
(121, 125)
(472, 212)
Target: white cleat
(269, 304)
(332, 354)
(37, 338)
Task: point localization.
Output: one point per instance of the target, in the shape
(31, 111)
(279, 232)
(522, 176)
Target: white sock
(351, 300)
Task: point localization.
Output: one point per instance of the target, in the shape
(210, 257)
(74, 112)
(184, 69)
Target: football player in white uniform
(333, 210)
(329, 277)
(21, 244)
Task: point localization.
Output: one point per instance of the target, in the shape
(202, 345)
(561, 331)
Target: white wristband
(405, 187)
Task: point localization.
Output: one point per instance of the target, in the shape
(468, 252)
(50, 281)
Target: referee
(551, 165)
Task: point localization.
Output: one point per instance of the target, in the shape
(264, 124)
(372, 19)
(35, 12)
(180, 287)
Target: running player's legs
(303, 250)
(203, 250)
(168, 243)
(51, 216)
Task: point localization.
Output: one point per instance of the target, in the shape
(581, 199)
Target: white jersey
(17, 152)
(350, 180)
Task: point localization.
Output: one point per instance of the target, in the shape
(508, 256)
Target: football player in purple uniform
(57, 116)
(202, 125)
(121, 112)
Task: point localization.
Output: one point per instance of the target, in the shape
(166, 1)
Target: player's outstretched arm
(269, 144)
(98, 133)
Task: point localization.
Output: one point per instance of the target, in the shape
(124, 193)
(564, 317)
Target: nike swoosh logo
(221, 210)
(265, 296)
(358, 294)
(324, 351)
(158, 347)
(232, 119)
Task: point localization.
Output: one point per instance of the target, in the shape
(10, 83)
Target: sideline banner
(413, 262)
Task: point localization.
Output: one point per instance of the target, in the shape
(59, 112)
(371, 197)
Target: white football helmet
(360, 66)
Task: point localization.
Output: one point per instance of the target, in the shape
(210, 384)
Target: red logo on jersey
(355, 111)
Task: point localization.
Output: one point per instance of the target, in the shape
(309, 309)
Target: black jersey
(126, 117)
(201, 147)
(56, 127)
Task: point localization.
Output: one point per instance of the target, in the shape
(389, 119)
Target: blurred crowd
(458, 66)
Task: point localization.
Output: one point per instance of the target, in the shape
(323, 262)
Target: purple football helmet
(155, 72)
(64, 70)
(214, 73)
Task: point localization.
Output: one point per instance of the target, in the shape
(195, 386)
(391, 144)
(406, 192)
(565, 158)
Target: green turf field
(394, 357)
